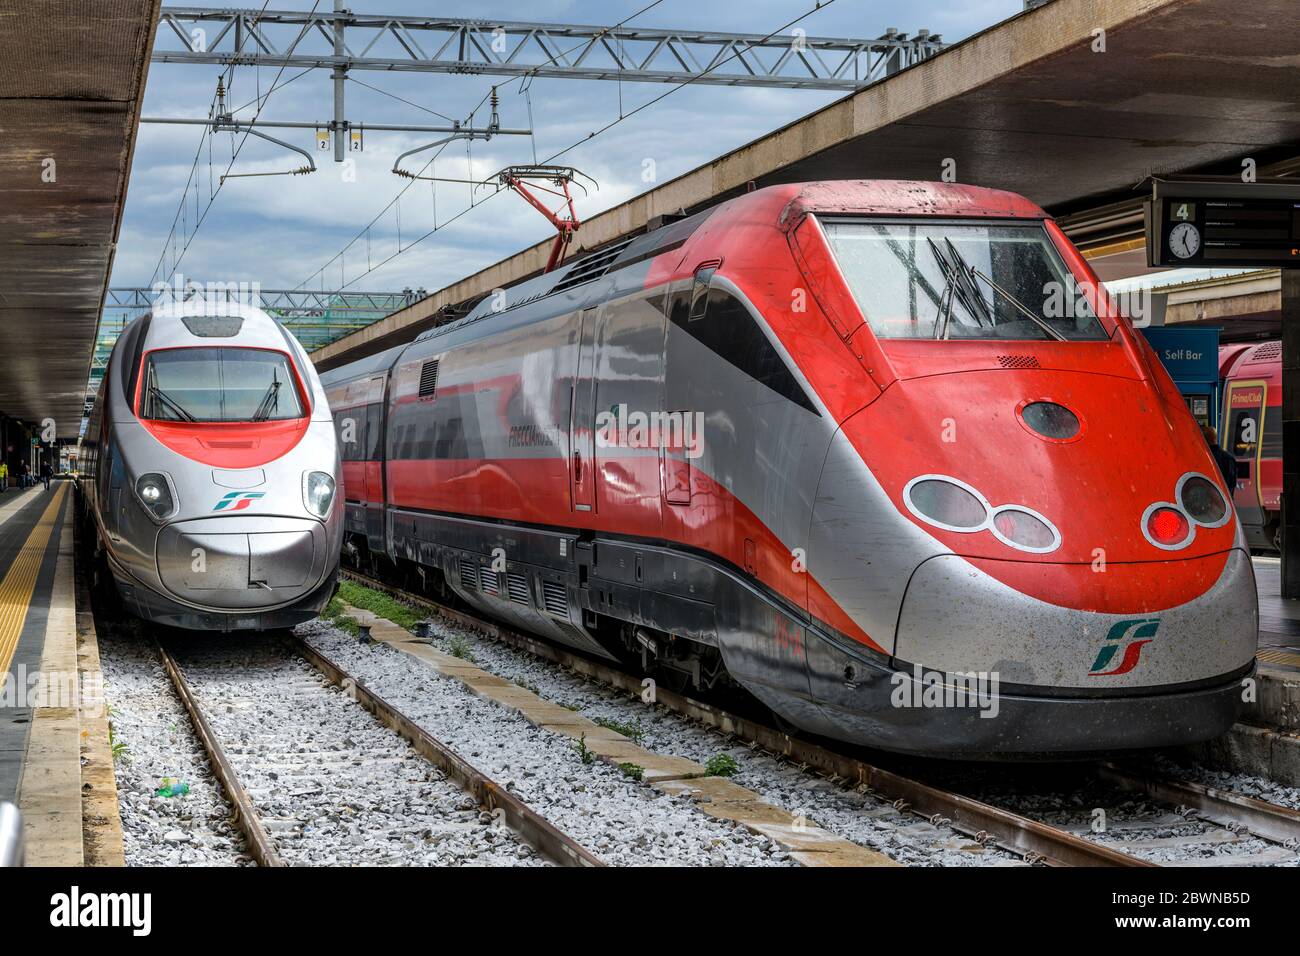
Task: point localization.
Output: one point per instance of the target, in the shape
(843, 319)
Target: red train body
(814, 441)
(1252, 431)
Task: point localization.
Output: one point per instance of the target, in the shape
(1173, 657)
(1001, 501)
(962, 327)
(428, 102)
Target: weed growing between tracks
(722, 765)
(630, 729)
(376, 602)
(335, 614)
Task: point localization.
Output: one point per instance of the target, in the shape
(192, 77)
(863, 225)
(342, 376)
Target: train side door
(376, 490)
(582, 470)
(1243, 436)
(374, 439)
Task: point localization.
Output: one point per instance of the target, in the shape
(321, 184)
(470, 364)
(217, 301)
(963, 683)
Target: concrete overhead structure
(72, 78)
(1074, 104)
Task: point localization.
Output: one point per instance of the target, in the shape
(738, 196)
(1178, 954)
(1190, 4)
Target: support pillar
(339, 75)
(1291, 433)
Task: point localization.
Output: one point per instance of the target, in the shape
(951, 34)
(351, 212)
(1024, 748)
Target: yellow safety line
(1279, 657)
(20, 581)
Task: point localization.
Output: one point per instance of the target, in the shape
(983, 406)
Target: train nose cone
(239, 563)
(958, 618)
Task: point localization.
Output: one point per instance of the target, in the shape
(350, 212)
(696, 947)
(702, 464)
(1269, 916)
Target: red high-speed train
(1252, 431)
(880, 452)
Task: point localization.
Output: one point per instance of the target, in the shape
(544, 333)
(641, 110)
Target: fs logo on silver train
(237, 500)
(1136, 633)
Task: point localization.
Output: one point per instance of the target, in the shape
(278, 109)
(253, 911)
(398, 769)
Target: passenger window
(1272, 432)
(374, 430)
(354, 450)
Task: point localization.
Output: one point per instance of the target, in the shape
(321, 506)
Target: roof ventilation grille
(592, 267)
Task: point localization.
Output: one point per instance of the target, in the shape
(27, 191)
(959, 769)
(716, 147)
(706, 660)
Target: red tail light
(1168, 526)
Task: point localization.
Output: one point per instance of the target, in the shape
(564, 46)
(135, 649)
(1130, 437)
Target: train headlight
(1202, 500)
(1023, 529)
(947, 504)
(955, 506)
(318, 493)
(155, 494)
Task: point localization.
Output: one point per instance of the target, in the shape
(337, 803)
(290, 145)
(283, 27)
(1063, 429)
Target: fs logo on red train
(1136, 633)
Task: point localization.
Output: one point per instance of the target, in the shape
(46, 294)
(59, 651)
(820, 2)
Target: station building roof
(72, 77)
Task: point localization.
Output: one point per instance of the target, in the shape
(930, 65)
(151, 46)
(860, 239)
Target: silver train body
(497, 458)
(208, 524)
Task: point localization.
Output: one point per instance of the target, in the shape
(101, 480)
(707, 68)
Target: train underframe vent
(555, 598)
(517, 588)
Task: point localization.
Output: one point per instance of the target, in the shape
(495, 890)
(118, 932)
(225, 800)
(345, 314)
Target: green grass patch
(116, 747)
(635, 771)
(377, 602)
(458, 646)
(587, 756)
(722, 765)
(633, 730)
(335, 613)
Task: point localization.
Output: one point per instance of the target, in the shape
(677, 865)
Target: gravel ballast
(148, 720)
(332, 786)
(622, 821)
(859, 817)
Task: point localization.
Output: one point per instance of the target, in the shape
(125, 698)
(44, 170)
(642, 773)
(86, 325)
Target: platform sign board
(1191, 357)
(1224, 225)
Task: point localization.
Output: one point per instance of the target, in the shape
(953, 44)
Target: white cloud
(279, 230)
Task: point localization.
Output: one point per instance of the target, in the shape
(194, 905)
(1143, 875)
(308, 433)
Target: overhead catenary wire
(524, 80)
(819, 5)
(235, 151)
(180, 207)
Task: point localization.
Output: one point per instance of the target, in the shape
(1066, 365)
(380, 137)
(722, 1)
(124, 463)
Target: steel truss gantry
(398, 43)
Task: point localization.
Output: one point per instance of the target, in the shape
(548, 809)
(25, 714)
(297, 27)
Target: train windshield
(219, 385)
(961, 280)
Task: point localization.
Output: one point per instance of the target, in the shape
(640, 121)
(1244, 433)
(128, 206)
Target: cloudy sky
(288, 232)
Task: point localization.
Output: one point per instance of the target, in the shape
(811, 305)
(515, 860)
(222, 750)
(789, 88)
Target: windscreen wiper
(270, 401)
(158, 395)
(1028, 312)
(958, 284)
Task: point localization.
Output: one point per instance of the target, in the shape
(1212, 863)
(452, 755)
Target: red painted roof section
(903, 197)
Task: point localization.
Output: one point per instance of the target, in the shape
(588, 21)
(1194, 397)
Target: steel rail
(260, 845)
(1268, 820)
(523, 819)
(1026, 837)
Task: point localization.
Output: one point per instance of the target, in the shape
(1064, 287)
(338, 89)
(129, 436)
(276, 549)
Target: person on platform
(24, 477)
(46, 472)
(4, 476)
(1226, 461)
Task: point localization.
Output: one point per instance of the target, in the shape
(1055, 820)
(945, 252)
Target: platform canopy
(72, 77)
(1074, 104)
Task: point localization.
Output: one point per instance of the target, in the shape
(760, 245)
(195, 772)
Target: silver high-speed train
(210, 472)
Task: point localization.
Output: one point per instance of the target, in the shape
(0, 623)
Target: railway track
(1199, 816)
(311, 780)
(1144, 810)
(1031, 839)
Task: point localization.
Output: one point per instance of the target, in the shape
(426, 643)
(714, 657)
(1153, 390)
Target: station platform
(48, 732)
(1279, 619)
